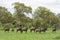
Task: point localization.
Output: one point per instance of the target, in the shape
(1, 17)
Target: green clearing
(48, 35)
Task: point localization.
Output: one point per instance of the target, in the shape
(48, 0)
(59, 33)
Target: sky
(53, 5)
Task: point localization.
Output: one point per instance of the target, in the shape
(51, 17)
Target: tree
(58, 16)
(5, 15)
(20, 9)
(48, 17)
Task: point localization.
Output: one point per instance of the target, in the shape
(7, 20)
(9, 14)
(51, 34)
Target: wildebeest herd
(35, 29)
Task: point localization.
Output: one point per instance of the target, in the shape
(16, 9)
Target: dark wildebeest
(7, 28)
(38, 30)
(18, 29)
(25, 29)
(21, 29)
(41, 29)
(33, 29)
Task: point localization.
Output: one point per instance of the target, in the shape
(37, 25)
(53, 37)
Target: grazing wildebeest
(18, 29)
(43, 29)
(7, 28)
(38, 30)
(25, 29)
(21, 29)
(33, 29)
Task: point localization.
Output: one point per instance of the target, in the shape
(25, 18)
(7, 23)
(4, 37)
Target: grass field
(48, 35)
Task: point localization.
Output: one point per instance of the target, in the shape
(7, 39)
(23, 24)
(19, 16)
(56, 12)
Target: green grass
(49, 35)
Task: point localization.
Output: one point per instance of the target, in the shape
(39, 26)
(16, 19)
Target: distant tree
(58, 16)
(48, 17)
(20, 10)
(5, 15)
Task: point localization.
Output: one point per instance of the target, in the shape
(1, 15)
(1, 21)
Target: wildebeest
(21, 29)
(25, 29)
(33, 29)
(41, 29)
(38, 30)
(18, 29)
(7, 28)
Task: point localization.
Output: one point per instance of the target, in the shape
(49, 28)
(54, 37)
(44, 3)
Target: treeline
(41, 17)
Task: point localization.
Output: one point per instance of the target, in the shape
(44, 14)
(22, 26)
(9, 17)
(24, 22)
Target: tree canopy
(5, 15)
(45, 15)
